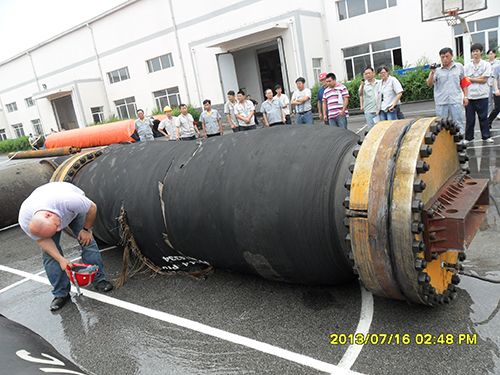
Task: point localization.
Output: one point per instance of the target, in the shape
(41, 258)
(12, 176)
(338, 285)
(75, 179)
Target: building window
(29, 102)
(483, 31)
(118, 75)
(160, 62)
(317, 68)
(11, 107)
(168, 97)
(375, 54)
(3, 135)
(97, 114)
(126, 108)
(352, 8)
(18, 129)
(37, 127)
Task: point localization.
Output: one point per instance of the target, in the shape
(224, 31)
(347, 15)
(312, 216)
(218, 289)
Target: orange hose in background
(97, 135)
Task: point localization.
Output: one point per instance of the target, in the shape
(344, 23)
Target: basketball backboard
(438, 9)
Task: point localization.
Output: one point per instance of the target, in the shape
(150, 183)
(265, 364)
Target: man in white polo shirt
(43, 215)
(168, 126)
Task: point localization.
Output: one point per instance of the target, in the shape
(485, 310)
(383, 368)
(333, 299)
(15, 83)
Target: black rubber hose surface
(267, 202)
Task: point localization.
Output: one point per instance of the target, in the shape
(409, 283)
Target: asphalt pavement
(230, 323)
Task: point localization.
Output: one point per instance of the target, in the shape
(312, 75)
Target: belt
(301, 113)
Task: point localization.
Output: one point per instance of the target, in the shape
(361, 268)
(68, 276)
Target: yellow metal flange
(369, 207)
(399, 167)
(442, 160)
(70, 167)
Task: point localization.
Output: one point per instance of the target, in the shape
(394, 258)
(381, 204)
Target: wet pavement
(110, 337)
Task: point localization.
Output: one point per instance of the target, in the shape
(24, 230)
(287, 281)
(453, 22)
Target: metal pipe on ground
(60, 151)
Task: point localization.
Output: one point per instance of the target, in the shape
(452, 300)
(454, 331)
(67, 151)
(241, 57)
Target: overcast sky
(25, 23)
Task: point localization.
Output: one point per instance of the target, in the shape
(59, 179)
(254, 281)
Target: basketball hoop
(452, 18)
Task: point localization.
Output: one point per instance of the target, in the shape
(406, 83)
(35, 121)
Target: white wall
(92, 94)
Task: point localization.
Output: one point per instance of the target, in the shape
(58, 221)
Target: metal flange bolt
(425, 151)
(430, 138)
(417, 205)
(422, 167)
(419, 186)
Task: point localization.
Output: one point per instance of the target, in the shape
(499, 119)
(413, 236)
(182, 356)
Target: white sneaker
(466, 142)
(489, 140)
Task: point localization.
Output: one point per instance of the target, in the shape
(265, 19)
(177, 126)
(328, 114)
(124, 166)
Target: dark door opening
(270, 69)
(65, 113)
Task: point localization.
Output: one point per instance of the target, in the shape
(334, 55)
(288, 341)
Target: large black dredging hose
(266, 202)
(297, 204)
(17, 182)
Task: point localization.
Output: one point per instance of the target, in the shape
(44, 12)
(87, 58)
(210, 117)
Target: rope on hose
(134, 261)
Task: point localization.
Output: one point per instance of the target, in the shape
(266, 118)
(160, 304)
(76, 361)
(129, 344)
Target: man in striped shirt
(335, 102)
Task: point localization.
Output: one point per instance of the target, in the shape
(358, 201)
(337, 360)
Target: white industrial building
(149, 53)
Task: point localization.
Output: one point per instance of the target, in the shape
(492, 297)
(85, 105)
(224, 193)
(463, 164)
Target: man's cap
(322, 76)
(167, 109)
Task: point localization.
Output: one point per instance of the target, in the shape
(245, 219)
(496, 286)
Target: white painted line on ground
(486, 146)
(9, 227)
(20, 282)
(201, 328)
(365, 321)
(359, 131)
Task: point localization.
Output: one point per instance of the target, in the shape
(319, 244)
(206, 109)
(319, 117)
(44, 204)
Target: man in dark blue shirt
(321, 90)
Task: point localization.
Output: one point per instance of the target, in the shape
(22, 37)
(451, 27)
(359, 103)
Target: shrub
(314, 96)
(415, 86)
(18, 144)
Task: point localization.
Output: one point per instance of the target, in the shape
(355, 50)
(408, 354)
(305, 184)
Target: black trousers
(479, 107)
(245, 128)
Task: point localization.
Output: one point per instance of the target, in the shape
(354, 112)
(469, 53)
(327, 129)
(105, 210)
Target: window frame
(370, 53)
(115, 76)
(128, 101)
(29, 102)
(458, 37)
(317, 69)
(3, 134)
(35, 124)
(344, 4)
(11, 107)
(99, 113)
(169, 58)
(167, 96)
(16, 128)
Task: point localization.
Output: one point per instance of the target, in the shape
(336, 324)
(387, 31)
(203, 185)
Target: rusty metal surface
(44, 153)
(371, 184)
(453, 216)
(401, 166)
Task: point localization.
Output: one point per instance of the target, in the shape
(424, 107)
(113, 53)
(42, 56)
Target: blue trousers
(305, 118)
(90, 254)
(386, 115)
(339, 121)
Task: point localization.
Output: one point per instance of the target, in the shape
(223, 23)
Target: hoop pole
(467, 40)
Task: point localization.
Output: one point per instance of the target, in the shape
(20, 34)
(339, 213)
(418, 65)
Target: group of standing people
(174, 128)
(474, 86)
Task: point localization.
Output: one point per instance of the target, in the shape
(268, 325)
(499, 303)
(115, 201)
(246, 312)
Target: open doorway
(65, 112)
(270, 68)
